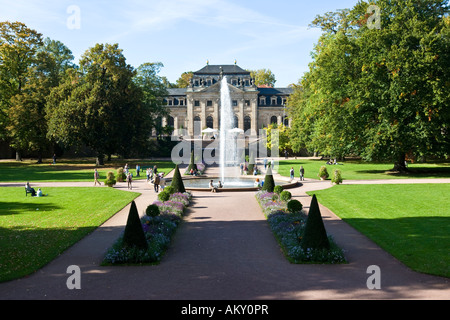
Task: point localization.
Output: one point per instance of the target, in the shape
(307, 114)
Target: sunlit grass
(410, 221)
(33, 231)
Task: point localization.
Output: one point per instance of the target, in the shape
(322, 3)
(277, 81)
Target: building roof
(227, 69)
(275, 91)
(176, 91)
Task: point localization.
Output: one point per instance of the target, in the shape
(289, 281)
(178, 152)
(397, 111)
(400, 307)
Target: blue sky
(184, 34)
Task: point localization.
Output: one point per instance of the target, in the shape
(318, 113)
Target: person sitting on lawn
(40, 194)
(30, 189)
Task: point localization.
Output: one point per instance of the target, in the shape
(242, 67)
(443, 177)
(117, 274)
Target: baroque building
(199, 104)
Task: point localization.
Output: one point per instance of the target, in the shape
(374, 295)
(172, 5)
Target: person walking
(302, 173)
(129, 180)
(156, 183)
(96, 176)
(292, 173)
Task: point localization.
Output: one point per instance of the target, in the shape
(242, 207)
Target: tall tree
(154, 91)
(378, 92)
(99, 105)
(184, 80)
(27, 125)
(263, 77)
(18, 47)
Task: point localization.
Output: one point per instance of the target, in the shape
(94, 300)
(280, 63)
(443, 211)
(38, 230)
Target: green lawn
(360, 170)
(33, 231)
(70, 170)
(411, 221)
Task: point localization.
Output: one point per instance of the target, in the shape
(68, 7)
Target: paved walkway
(225, 251)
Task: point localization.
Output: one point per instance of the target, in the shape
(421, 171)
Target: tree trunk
(400, 164)
(100, 160)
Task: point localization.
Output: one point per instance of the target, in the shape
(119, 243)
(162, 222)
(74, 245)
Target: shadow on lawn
(441, 172)
(25, 250)
(10, 208)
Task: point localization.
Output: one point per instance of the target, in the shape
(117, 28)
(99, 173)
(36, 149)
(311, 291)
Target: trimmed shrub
(177, 181)
(323, 172)
(275, 197)
(163, 196)
(285, 195)
(315, 236)
(120, 176)
(134, 234)
(337, 177)
(278, 189)
(152, 210)
(294, 206)
(169, 189)
(110, 181)
(269, 183)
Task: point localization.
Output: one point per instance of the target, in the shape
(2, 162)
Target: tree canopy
(381, 93)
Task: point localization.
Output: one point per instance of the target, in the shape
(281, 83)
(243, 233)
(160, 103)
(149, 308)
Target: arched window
(273, 120)
(210, 122)
(170, 121)
(235, 122)
(247, 123)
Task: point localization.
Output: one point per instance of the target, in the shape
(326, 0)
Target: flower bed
(158, 230)
(288, 229)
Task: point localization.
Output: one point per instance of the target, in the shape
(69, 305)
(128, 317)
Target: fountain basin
(231, 185)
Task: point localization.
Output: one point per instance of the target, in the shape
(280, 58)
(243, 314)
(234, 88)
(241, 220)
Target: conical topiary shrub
(134, 234)
(192, 164)
(269, 183)
(314, 236)
(177, 181)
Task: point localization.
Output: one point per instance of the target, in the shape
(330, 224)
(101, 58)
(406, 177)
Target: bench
(27, 191)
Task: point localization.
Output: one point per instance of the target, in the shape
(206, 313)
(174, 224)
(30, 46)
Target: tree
(27, 123)
(18, 47)
(315, 235)
(154, 91)
(134, 233)
(278, 137)
(378, 93)
(263, 77)
(184, 80)
(99, 105)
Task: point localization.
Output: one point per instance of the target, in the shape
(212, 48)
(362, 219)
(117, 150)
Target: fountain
(227, 143)
(230, 153)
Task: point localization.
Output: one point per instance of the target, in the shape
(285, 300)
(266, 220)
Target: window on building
(196, 103)
(170, 102)
(235, 103)
(209, 103)
(235, 122)
(286, 121)
(247, 123)
(247, 103)
(273, 101)
(273, 120)
(181, 102)
(210, 122)
(262, 101)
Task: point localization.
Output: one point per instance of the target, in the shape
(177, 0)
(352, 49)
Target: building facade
(199, 104)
